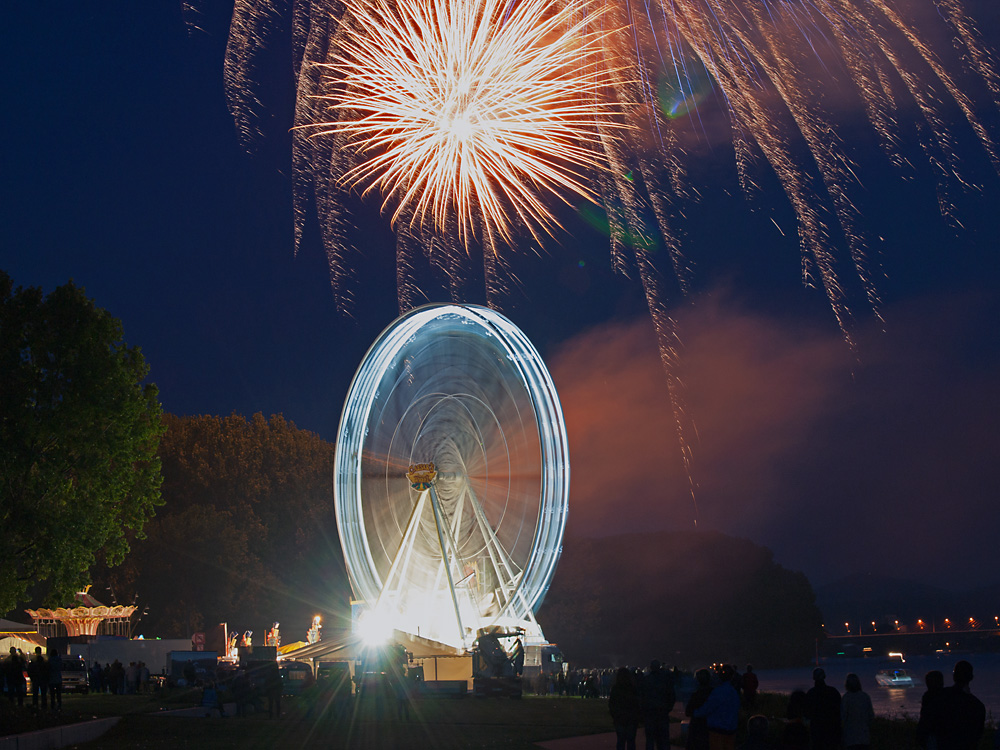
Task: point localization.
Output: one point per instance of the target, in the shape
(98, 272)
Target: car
(296, 676)
(74, 675)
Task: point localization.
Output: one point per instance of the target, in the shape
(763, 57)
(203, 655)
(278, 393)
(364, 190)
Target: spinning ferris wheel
(451, 476)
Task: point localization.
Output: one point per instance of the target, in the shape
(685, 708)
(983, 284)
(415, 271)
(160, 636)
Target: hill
(686, 598)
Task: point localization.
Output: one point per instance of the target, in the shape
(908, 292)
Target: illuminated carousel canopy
(83, 620)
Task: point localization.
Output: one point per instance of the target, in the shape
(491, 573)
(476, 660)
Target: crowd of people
(45, 675)
(818, 719)
(951, 718)
(117, 679)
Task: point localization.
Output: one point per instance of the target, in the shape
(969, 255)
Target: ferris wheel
(451, 476)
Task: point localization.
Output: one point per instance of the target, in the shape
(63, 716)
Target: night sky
(121, 170)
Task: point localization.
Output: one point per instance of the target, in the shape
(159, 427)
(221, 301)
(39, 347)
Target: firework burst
(412, 125)
(469, 111)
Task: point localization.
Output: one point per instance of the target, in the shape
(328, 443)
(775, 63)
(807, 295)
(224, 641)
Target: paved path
(605, 741)
(589, 742)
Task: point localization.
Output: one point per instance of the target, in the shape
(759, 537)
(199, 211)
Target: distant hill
(866, 597)
(686, 598)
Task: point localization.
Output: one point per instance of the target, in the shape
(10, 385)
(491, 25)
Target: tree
(684, 597)
(247, 535)
(78, 437)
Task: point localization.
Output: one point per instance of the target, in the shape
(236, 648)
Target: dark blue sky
(121, 170)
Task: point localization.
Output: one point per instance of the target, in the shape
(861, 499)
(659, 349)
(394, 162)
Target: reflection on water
(894, 702)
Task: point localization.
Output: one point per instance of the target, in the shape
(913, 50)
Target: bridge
(977, 640)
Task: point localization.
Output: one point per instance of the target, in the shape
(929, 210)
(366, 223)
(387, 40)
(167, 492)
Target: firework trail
(584, 78)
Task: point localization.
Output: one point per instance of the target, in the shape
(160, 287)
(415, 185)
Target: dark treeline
(246, 534)
(686, 598)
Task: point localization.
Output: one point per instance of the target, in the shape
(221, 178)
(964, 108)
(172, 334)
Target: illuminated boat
(893, 678)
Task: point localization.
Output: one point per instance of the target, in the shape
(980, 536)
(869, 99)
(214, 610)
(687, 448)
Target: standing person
(964, 714)
(856, 715)
(658, 700)
(242, 690)
(823, 712)
(795, 735)
(931, 711)
(722, 713)
(38, 671)
(55, 679)
(273, 689)
(13, 669)
(750, 687)
(143, 677)
(697, 738)
(131, 678)
(116, 677)
(625, 709)
(96, 677)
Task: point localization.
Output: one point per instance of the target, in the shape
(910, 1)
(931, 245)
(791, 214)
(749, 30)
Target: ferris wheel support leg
(492, 543)
(405, 544)
(438, 522)
(487, 532)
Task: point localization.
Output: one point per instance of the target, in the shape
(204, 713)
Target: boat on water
(892, 677)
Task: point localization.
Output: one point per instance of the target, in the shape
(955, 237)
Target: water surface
(894, 702)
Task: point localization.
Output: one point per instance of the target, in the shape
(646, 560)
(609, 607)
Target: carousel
(90, 617)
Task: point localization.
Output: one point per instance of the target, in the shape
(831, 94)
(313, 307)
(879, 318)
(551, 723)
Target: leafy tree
(247, 535)
(78, 437)
(686, 598)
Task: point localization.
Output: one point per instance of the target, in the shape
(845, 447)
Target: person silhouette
(697, 738)
(964, 715)
(856, 714)
(795, 735)
(38, 671)
(823, 712)
(931, 711)
(13, 669)
(721, 712)
(625, 709)
(55, 679)
(658, 698)
(750, 686)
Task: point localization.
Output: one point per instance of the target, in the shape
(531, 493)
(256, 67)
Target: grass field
(78, 707)
(433, 723)
(438, 724)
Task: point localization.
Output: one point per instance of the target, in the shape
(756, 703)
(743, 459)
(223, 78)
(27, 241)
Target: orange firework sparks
(474, 112)
(469, 109)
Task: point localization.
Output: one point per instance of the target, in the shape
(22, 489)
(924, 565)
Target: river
(894, 702)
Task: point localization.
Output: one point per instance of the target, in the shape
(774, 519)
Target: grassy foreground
(433, 723)
(76, 707)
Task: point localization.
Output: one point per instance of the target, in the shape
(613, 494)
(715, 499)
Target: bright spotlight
(375, 629)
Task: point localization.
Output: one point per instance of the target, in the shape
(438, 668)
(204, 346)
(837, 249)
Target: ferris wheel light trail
(470, 535)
